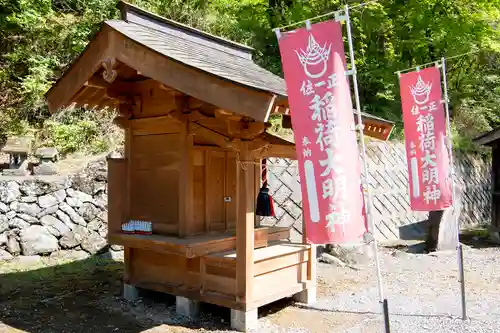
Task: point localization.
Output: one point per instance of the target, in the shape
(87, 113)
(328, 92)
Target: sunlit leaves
(41, 38)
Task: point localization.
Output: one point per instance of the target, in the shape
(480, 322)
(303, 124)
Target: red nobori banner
(425, 136)
(322, 118)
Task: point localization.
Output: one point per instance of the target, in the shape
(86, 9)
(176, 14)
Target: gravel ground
(422, 290)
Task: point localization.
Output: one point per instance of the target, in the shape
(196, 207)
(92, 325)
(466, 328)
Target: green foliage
(70, 137)
(74, 130)
(40, 39)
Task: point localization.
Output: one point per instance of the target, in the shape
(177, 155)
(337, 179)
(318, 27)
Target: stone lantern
(18, 149)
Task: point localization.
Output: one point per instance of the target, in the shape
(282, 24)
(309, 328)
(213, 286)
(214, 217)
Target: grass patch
(61, 272)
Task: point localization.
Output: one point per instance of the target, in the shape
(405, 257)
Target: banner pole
(382, 301)
(460, 257)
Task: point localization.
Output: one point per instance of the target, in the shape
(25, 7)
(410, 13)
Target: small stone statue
(47, 156)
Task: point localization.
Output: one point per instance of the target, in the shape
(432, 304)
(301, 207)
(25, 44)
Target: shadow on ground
(85, 296)
(477, 239)
(64, 298)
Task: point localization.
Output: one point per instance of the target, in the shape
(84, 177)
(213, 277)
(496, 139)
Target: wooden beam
(235, 127)
(129, 105)
(194, 104)
(197, 116)
(122, 122)
(178, 116)
(274, 150)
(111, 103)
(196, 83)
(488, 138)
(271, 106)
(97, 82)
(81, 95)
(154, 125)
(252, 130)
(226, 115)
(372, 127)
(121, 88)
(128, 257)
(217, 138)
(258, 144)
(377, 130)
(97, 50)
(311, 263)
(89, 97)
(245, 219)
(185, 186)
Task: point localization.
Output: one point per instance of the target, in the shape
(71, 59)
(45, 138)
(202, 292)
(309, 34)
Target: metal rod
(434, 62)
(386, 317)
(460, 257)
(323, 15)
(363, 154)
(462, 279)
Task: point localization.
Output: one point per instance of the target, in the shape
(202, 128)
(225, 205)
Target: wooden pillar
(494, 228)
(245, 226)
(495, 186)
(308, 296)
(127, 270)
(311, 264)
(185, 185)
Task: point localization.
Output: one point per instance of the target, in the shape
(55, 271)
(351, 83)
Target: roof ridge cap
(125, 6)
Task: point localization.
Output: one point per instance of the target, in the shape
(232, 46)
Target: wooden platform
(203, 268)
(279, 270)
(196, 246)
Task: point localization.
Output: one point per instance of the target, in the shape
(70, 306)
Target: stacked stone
(40, 217)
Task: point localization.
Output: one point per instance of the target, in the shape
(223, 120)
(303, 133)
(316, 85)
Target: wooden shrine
(195, 109)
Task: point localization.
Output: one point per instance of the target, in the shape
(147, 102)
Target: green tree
(40, 39)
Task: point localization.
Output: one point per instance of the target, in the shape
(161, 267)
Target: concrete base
(307, 296)
(186, 307)
(443, 225)
(494, 236)
(242, 321)
(130, 292)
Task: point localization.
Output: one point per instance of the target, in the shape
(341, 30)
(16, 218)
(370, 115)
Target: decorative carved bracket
(109, 74)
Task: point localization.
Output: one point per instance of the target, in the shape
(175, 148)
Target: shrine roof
(488, 138)
(206, 67)
(195, 48)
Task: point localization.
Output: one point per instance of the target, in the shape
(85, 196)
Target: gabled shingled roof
(194, 48)
(191, 61)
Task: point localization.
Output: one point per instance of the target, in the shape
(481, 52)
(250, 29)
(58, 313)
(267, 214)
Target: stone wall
(47, 214)
(43, 215)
